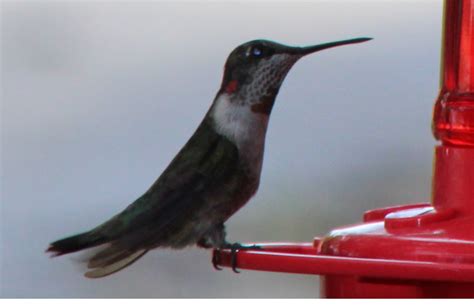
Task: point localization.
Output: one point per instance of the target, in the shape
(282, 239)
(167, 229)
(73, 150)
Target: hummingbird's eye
(254, 52)
(257, 52)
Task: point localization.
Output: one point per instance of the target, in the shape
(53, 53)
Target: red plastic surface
(453, 122)
(418, 250)
(305, 259)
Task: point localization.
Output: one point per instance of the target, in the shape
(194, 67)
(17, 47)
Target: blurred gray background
(97, 98)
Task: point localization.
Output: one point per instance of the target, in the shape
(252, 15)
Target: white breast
(239, 124)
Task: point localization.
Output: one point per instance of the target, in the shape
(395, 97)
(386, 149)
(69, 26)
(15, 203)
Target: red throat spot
(231, 86)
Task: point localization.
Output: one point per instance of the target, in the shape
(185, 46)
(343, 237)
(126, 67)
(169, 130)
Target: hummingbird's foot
(215, 238)
(234, 249)
(216, 259)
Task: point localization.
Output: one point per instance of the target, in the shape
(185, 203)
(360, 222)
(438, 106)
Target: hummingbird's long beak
(311, 49)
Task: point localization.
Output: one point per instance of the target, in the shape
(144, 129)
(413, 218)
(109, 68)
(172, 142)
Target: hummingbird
(212, 176)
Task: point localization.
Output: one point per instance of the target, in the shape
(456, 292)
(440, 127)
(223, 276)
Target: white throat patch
(238, 123)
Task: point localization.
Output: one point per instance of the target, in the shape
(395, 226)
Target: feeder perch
(408, 251)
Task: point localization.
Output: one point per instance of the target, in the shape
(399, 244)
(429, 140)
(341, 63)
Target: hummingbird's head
(254, 71)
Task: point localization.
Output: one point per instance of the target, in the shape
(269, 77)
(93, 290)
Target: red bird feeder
(410, 251)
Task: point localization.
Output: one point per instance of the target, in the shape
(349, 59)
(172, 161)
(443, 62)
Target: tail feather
(113, 258)
(76, 243)
(107, 256)
(107, 261)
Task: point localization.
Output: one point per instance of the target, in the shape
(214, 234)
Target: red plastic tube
(453, 120)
